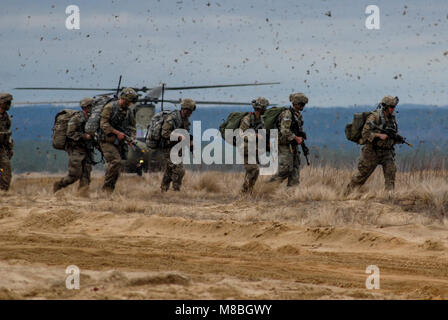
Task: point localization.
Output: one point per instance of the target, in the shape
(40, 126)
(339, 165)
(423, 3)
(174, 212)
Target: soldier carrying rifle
(379, 136)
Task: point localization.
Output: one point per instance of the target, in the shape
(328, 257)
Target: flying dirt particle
(88, 36)
(185, 52)
(175, 60)
(396, 77)
(328, 13)
(445, 53)
(208, 4)
(66, 71)
(41, 38)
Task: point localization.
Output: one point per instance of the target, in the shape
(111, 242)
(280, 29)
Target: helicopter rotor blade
(62, 88)
(20, 103)
(222, 86)
(228, 103)
(145, 89)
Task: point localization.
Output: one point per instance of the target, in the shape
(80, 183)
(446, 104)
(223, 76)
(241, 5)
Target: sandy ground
(208, 242)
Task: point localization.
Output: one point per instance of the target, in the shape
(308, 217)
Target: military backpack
(93, 123)
(232, 122)
(154, 132)
(353, 131)
(270, 117)
(59, 136)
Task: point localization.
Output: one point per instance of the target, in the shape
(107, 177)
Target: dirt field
(208, 242)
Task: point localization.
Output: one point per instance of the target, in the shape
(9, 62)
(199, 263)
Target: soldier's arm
(105, 117)
(132, 128)
(244, 125)
(73, 129)
(285, 126)
(167, 127)
(368, 131)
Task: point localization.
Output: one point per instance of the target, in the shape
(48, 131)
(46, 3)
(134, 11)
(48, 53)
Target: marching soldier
(378, 147)
(79, 149)
(118, 126)
(176, 120)
(6, 142)
(291, 135)
(252, 120)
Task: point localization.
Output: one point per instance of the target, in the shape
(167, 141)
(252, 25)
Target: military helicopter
(138, 159)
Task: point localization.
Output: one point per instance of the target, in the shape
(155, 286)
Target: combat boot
(57, 186)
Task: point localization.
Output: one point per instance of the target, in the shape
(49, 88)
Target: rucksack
(154, 132)
(232, 122)
(59, 135)
(353, 131)
(270, 117)
(93, 123)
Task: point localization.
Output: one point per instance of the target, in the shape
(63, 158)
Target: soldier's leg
(166, 180)
(113, 159)
(86, 171)
(389, 170)
(366, 166)
(5, 170)
(251, 176)
(75, 159)
(285, 164)
(177, 174)
(294, 176)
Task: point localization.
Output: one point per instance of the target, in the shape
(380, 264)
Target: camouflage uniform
(122, 119)
(250, 121)
(290, 123)
(376, 152)
(173, 172)
(6, 144)
(79, 152)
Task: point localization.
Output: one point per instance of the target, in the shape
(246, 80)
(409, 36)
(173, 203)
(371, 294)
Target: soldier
(175, 120)
(378, 147)
(290, 125)
(252, 120)
(6, 143)
(117, 125)
(79, 149)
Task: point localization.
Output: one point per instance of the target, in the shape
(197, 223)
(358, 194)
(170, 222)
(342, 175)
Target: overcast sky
(335, 60)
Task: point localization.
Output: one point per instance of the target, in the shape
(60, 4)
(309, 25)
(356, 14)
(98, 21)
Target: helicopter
(138, 158)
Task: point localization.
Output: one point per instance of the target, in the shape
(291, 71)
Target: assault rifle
(391, 133)
(305, 149)
(135, 144)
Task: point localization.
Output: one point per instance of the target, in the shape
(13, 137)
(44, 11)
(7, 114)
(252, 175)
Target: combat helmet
(260, 103)
(389, 101)
(298, 98)
(188, 104)
(5, 97)
(129, 94)
(86, 102)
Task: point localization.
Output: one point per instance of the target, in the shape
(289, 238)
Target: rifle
(295, 128)
(391, 133)
(135, 144)
(305, 149)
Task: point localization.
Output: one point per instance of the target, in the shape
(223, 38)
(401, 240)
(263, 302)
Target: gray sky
(335, 60)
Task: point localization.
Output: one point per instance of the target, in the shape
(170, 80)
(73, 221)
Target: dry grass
(420, 197)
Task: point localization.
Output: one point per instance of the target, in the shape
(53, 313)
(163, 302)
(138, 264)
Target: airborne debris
(328, 13)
